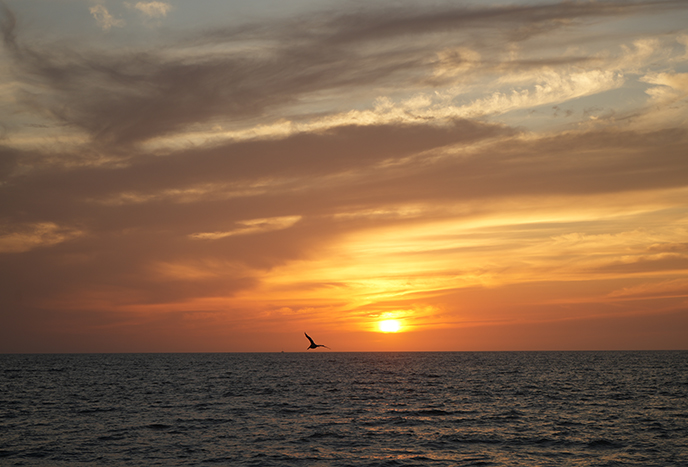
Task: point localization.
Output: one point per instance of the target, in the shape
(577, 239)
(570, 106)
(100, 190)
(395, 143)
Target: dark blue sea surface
(346, 409)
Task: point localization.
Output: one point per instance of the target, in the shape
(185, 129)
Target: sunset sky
(223, 175)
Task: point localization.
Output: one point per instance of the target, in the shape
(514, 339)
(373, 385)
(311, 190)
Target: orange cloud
(491, 177)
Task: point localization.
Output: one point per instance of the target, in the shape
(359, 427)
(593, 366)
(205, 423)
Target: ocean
(322, 408)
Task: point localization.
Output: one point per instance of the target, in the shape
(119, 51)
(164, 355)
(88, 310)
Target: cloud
(670, 86)
(517, 22)
(22, 238)
(122, 97)
(647, 264)
(252, 226)
(550, 88)
(670, 288)
(104, 19)
(247, 170)
(350, 162)
(9, 161)
(153, 9)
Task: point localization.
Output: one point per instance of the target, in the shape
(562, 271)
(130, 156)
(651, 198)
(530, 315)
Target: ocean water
(322, 408)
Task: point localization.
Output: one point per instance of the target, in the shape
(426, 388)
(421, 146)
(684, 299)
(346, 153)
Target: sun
(389, 325)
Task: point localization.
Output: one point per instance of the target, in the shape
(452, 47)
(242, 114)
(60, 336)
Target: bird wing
(309, 338)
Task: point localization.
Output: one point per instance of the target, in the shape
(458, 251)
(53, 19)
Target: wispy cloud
(104, 19)
(252, 226)
(455, 165)
(21, 238)
(153, 9)
(676, 287)
(150, 94)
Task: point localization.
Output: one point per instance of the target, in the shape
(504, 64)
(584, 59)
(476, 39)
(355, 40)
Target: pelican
(313, 344)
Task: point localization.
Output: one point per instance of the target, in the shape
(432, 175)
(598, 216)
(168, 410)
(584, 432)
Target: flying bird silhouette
(313, 344)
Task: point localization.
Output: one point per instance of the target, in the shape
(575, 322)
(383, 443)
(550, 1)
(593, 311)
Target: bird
(313, 344)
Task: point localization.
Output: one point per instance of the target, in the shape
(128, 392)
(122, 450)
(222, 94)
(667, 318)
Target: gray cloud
(9, 161)
(393, 22)
(121, 97)
(121, 219)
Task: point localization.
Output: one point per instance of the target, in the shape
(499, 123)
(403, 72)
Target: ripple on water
(338, 409)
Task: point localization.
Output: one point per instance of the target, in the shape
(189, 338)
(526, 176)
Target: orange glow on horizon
(450, 194)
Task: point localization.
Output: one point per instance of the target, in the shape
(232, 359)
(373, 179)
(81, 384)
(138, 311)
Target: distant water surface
(346, 409)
